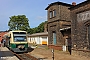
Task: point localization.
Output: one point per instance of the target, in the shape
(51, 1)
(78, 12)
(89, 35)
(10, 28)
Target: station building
(2, 33)
(80, 28)
(59, 25)
(38, 38)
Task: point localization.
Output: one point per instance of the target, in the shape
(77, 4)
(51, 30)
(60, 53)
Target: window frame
(50, 14)
(54, 13)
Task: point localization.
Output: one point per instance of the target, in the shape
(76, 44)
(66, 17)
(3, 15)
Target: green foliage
(41, 27)
(38, 29)
(19, 22)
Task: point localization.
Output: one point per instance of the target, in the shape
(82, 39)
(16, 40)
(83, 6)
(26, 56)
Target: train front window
(19, 36)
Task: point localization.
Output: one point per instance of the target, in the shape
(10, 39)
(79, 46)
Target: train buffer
(6, 54)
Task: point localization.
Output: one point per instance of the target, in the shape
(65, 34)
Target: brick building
(1, 34)
(59, 24)
(80, 32)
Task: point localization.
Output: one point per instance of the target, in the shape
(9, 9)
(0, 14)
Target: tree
(38, 29)
(19, 22)
(41, 26)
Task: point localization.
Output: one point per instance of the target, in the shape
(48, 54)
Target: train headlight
(22, 46)
(25, 39)
(19, 46)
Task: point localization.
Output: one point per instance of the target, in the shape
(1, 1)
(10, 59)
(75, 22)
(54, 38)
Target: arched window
(87, 24)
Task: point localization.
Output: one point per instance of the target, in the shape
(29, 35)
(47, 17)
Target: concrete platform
(5, 54)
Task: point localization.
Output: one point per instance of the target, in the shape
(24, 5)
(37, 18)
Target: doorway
(54, 38)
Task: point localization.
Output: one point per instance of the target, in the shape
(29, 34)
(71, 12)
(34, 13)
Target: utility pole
(53, 54)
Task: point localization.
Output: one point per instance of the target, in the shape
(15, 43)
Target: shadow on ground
(30, 49)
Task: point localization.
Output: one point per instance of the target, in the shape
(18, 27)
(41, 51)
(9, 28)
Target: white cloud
(41, 18)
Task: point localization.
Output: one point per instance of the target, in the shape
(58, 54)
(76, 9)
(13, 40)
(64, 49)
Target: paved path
(5, 54)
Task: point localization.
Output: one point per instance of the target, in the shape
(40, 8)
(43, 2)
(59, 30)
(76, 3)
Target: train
(16, 41)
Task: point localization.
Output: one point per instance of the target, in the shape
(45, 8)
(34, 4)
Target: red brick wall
(55, 47)
(1, 35)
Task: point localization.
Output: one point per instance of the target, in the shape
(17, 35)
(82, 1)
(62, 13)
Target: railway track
(25, 56)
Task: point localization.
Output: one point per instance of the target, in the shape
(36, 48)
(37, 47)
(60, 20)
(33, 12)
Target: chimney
(73, 3)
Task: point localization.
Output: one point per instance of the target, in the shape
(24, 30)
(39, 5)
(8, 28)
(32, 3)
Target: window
(50, 14)
(44, 38)
(19, 36)
(30, 39)
(54, 13)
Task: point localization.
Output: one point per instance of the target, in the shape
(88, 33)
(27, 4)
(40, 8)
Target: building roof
(58, 3)
(39, 34)
(79, 5)
(3, 31)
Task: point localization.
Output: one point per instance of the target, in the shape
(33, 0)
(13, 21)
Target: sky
(33, 9)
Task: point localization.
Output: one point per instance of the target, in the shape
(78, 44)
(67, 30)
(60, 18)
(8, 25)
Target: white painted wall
(38, 39)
